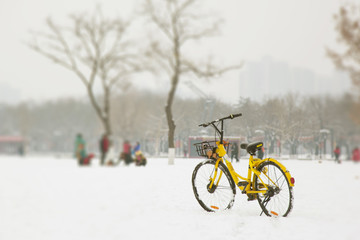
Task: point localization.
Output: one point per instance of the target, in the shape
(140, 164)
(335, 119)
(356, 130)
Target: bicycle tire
(278, 201)
(220, 197)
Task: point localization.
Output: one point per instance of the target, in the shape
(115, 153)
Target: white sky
(295, 32)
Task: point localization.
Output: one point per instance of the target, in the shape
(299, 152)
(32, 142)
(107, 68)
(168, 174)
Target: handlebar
(231, 116)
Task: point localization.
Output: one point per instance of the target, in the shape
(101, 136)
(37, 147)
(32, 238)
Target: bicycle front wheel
(221, 194)
(278, 199)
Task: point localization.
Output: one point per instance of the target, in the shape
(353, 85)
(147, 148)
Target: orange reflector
(274, 213)
(214, 207)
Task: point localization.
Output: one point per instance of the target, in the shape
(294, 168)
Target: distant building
(12, 145)
(269, 78)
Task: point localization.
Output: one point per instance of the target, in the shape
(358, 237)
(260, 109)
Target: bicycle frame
(253, 164)
(267, 181)
(235, 176)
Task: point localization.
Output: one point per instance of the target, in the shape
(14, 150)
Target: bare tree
(180, 23)
(284, 119)
(347, 25)
(348, 29)
(96, 50)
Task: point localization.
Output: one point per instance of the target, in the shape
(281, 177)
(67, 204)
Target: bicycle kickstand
(266, 200)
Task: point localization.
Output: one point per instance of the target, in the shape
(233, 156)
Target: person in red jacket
(356, 155)
(126, 154)
(337, 154)
(104, 148)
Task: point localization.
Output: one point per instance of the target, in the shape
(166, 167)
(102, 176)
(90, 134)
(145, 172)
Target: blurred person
(234, 152)
(356, 155)
(83, 158)
(110, 156)
(337, 153)
(140, 159)
(21, 150)
(260, 153)
(185, 149)
(136, 148)
(81, 154)
(78, 140)
(104, 148)
(126, 153)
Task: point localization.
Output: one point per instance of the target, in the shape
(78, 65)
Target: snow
(53, 198)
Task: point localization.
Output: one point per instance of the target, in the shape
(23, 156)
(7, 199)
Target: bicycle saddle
(251, 148)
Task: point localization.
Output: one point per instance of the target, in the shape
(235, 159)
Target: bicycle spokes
(214, 193)
(277, 200)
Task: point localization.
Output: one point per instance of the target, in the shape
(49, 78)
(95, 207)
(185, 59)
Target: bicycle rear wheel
(221, 195)
(278, 200)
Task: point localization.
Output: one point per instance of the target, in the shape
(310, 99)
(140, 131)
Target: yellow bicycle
(214, 180)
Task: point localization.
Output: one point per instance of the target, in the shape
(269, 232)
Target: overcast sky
(294, 32)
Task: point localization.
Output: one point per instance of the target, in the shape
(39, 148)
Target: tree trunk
(171, 125)
(107, 125)
(170, 120)
(106, 117)
(103, 115)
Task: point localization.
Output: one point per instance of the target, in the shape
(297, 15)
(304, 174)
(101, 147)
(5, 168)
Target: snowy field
(51, 198)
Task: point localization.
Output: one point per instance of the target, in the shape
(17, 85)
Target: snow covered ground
(51, 198)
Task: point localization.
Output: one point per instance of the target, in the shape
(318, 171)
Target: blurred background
(135, 69)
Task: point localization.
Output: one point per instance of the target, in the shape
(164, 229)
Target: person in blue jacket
(136, 148)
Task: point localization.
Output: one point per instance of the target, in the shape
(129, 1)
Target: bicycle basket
(203, 147)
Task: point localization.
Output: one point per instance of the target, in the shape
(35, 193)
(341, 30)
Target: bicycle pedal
(242, 183)
(251, 197)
